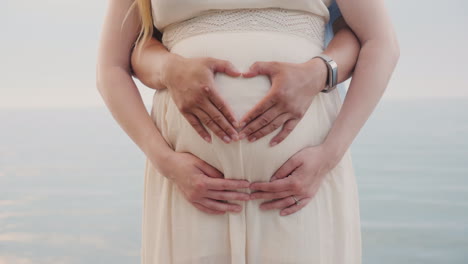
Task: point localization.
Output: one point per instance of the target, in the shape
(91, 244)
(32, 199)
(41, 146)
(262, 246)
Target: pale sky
(48, 51)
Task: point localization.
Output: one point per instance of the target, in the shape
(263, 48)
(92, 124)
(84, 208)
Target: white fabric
(326, 231)
(296, 22)
(166, 12)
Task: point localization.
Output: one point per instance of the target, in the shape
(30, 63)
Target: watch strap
(332, 72)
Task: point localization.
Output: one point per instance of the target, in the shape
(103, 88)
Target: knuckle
(258, 111)
(274, 125)
(196, 101)
(227, 129)
(259, 134)
(255, 65)
(288, 129)
(223, 196)
(218, 118)
(225, 185)
(248, 119)
(220, 107)
(285, 202)
(217, 196)
(292, 185)
(263, 120)
(208, 60)
(248, 131)
(208, 121)
(296, 186)
(206, 90)
(193, 122)
(200, 185)
(274, 64)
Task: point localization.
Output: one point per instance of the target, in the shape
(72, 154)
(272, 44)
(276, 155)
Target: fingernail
(252, 139)
(273, 143)
(235, 137)
(208, 139)
(242, 124)
(282, 213)
(226, 139)
(235, 123)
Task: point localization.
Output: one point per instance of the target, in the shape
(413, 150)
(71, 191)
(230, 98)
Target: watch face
(333, 73)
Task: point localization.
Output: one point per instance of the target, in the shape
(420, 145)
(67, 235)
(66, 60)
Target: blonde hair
(146, 21)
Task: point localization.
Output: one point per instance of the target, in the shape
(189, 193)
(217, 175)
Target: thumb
(285, 170)
(226, 67)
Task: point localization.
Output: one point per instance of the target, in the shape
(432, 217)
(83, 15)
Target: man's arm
(148, 65)
(342, 45)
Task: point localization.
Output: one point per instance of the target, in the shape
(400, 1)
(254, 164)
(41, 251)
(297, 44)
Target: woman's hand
(301, 176)
(293, 88)
(191, 84)
(203, 185)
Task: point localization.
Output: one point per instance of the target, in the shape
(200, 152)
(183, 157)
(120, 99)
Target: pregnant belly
(254, 161)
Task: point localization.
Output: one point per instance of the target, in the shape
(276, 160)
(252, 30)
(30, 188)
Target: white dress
(327, 229)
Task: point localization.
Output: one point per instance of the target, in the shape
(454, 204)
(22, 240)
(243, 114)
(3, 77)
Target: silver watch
(332, 72)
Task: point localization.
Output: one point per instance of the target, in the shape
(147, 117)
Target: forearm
(124, 101)
(149, 64)
(371, 75)
(116, 86)
(344, 49)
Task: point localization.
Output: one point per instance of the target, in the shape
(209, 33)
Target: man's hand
(191, 84)
(203, 185)
(293, 88)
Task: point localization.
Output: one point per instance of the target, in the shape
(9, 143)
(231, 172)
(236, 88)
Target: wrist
(159, 153)
(320, 72)
(333, 151)
(170, 62)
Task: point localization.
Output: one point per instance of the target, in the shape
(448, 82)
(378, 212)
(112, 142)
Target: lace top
(296, 22)
(166, 12)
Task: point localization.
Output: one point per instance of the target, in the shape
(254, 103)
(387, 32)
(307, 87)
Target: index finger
(266, 103)
(223, 107)
(274, 186)
(226, 184)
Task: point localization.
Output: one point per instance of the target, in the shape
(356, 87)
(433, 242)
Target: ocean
(71, 185)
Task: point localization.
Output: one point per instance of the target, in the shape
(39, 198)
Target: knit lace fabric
(300, 23)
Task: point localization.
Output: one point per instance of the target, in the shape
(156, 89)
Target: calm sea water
(71, 185)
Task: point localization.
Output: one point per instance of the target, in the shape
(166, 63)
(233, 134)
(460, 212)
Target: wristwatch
(332, 72)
